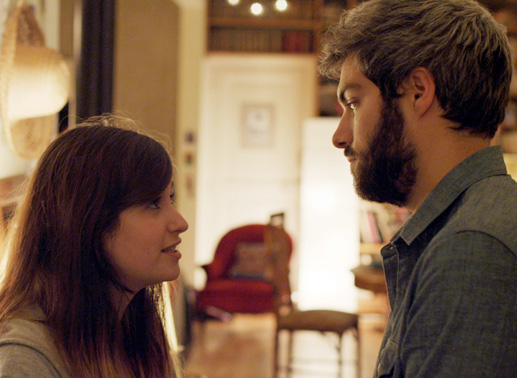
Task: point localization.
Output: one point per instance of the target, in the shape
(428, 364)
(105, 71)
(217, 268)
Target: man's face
(372, 134)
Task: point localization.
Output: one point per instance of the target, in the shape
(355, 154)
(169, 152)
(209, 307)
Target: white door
(252, 111)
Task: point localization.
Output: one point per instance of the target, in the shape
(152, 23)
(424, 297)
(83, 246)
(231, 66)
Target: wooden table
(370, 278)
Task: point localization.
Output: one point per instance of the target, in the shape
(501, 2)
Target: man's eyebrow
(347, 87)
(351, 86)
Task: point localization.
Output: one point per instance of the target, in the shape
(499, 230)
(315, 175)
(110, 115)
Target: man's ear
(420, 88)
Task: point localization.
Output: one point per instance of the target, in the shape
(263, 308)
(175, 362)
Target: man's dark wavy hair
(458, 41)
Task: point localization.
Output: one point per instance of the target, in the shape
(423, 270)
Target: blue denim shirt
(451, 273)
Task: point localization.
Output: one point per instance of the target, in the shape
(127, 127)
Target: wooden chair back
(277, 241)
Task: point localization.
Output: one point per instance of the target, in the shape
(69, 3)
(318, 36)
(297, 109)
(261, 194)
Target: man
(424, 85)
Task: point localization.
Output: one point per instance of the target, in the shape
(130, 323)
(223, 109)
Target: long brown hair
(56, 258)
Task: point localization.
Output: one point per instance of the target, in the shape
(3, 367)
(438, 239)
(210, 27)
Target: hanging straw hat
(34, 85)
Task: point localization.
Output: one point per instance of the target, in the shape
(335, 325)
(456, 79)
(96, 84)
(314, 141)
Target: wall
(145, 63)
(191, 53)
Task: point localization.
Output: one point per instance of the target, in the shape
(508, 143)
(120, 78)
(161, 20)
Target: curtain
(95, 81)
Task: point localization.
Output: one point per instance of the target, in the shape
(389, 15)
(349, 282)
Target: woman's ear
(419, 87)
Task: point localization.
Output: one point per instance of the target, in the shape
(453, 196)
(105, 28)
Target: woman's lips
(172, 250)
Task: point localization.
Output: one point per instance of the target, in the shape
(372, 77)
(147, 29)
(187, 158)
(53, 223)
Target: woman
(92, 242)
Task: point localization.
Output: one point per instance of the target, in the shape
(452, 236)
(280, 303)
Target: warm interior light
(281, 5)
(328, 245)
(233, 2)
(257, 9)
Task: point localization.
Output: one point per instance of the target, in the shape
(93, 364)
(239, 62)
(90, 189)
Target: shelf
(235, 29)
(263, 40)
(264, 23)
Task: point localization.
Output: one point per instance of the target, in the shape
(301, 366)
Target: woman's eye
(155, 204)
(171, 198)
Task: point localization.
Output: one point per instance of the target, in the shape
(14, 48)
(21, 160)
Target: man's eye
(352, 105)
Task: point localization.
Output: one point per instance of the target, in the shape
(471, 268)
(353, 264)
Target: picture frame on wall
(257, 125)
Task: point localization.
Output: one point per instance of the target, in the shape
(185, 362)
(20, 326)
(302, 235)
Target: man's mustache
(350, 152)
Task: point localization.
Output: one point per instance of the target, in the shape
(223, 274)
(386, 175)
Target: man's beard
(386, 171)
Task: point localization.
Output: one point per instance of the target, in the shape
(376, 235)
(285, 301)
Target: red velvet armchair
(228, 291)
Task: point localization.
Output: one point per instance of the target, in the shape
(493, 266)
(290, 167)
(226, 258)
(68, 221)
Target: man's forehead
(351, 74)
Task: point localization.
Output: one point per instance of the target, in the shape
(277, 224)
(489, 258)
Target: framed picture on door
(257, 125)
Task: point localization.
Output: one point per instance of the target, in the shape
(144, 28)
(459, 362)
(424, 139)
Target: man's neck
(437, 157)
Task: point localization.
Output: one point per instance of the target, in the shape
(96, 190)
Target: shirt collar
(485, 163)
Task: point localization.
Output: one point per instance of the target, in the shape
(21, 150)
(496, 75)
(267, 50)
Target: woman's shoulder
(19, 360)
(26, 347)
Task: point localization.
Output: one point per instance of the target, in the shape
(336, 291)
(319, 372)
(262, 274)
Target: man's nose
(343, 135)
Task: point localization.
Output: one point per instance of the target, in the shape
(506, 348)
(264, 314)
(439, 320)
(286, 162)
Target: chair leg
(355, 332)
(276, 364)
(358, 351)
(277, 350)
(289, 350)
(339, 349)
(340, 354)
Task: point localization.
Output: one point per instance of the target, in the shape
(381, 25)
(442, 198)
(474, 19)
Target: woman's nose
(177, 223)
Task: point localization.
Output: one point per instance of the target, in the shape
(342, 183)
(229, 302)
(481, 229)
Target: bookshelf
(377, 225)
(505, 12)
(379, 222)
(232, 26)
(270, 26)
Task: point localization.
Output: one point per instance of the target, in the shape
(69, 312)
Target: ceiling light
(281, 5)
(256, 9)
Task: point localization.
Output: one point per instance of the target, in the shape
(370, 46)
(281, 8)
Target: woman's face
(143, 248)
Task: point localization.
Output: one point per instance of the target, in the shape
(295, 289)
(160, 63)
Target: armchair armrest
(214, 270)
(208, 271)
